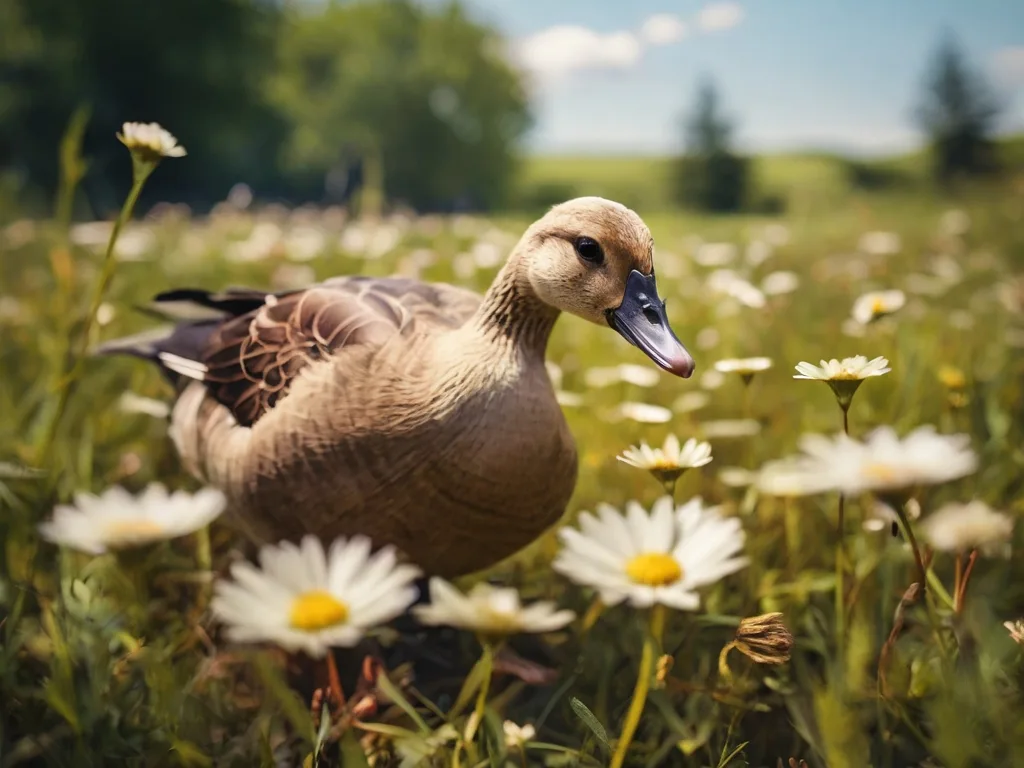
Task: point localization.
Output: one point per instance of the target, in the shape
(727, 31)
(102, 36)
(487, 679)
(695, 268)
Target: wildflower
(715, 254)
(303, 598)
(843, 376)
(515, 736)
(489, 610)
(648, 559)
(952, 377)
(712, 379)
(690, 401)
(115, 519)
(746, 367)
(876, 304)
(724, 428)
(1016, 630)
(671, 460)
(962, 527)
(954, 222)
(879, 243)
(778, 283)
(885, 463)
(708, 338)
(149, 142)
(791, 477)
(764, 639)
(644, 413)
(629, 373)
(736, 477)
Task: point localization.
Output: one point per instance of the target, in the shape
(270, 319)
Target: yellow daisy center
(655, 569)
(877, 306)
(134, 530)
(881, 472)
(317, 610)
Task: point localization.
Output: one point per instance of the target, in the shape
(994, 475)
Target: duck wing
(247, 346)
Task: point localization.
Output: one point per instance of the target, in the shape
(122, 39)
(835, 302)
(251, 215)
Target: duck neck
(512, 316)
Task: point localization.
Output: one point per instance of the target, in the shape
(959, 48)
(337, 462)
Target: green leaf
(189, 753)
(591, 721)
(291, 704)
(352, 752)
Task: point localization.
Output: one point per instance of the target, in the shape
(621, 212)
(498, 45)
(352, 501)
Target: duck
(420, 415)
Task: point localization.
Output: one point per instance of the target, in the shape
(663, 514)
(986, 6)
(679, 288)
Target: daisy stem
(487, 665)
(961, 591)
(840, 607)
(922, 573)
(643, 684)
(106, 275)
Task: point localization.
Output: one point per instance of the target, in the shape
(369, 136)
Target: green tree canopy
(423, 96)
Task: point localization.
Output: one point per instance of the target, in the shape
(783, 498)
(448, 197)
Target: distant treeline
(301, 101)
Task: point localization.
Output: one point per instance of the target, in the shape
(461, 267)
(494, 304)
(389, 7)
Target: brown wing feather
(252, 359)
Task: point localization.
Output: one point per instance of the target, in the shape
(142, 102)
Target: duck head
(594, 258)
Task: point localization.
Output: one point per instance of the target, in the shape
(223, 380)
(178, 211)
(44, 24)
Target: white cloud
(663, 29)
(565, 49)
(1008, 66)
(717, 16)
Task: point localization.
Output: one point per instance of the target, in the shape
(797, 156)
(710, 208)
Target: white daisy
(780, 282)
(725, 428)
(516, 736)
(884, 462)
(1016, 630)
(746, 367)
(791, 477)
(645, 413)
(876, 304)
(671, 460)
(302, 598)
(150, 141)
(489, 610)
(662, 557)
(691, 401)
(879, 243)
(115, 519)
(962, 527)
(844, 376)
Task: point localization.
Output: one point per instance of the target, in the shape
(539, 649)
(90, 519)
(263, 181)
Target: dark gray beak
(641, 320)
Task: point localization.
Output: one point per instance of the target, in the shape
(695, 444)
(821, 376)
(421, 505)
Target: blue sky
(830, 74)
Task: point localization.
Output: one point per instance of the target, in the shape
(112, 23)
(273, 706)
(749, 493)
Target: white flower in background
(746, 367)
(776, 233)
(758, 252)
(130, 402)
(105, 313)
(844, 376)
(879, 243)
(954, 223)
(489, 610)
(662, 557)
(712, 379)
(736, 477)
(150, 141)
(1016, 630)
(671, 460)
(961, 319)
(962, 527)
(882, 517)
(644, 413)
(722, 428)
(853, 329)
(707, 338)
(924, 285)
(716, 254)
(781, 282)
(791, 477)
(947, 269)
(515, 736)
(884, 462)
(569, 399)
(629, 373)
(876, 304)
(691, 401)
(115, 519)
(303, 598)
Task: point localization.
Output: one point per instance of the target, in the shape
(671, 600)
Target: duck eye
(589, 250)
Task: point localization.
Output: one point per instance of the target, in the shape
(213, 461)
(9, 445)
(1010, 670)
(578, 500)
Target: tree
(419, 97)
(196, 66)
(958, 112)
(710, 176)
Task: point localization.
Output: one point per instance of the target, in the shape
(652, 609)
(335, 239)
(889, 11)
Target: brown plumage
(420, 415)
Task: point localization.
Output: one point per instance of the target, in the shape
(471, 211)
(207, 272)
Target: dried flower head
(764, 639)
(1016, 630)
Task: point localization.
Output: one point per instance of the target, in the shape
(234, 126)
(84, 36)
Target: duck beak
(642, 321)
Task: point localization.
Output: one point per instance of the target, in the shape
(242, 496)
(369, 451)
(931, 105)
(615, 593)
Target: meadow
(115, 659)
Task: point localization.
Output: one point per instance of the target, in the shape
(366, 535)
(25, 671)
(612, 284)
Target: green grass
(97, 668)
